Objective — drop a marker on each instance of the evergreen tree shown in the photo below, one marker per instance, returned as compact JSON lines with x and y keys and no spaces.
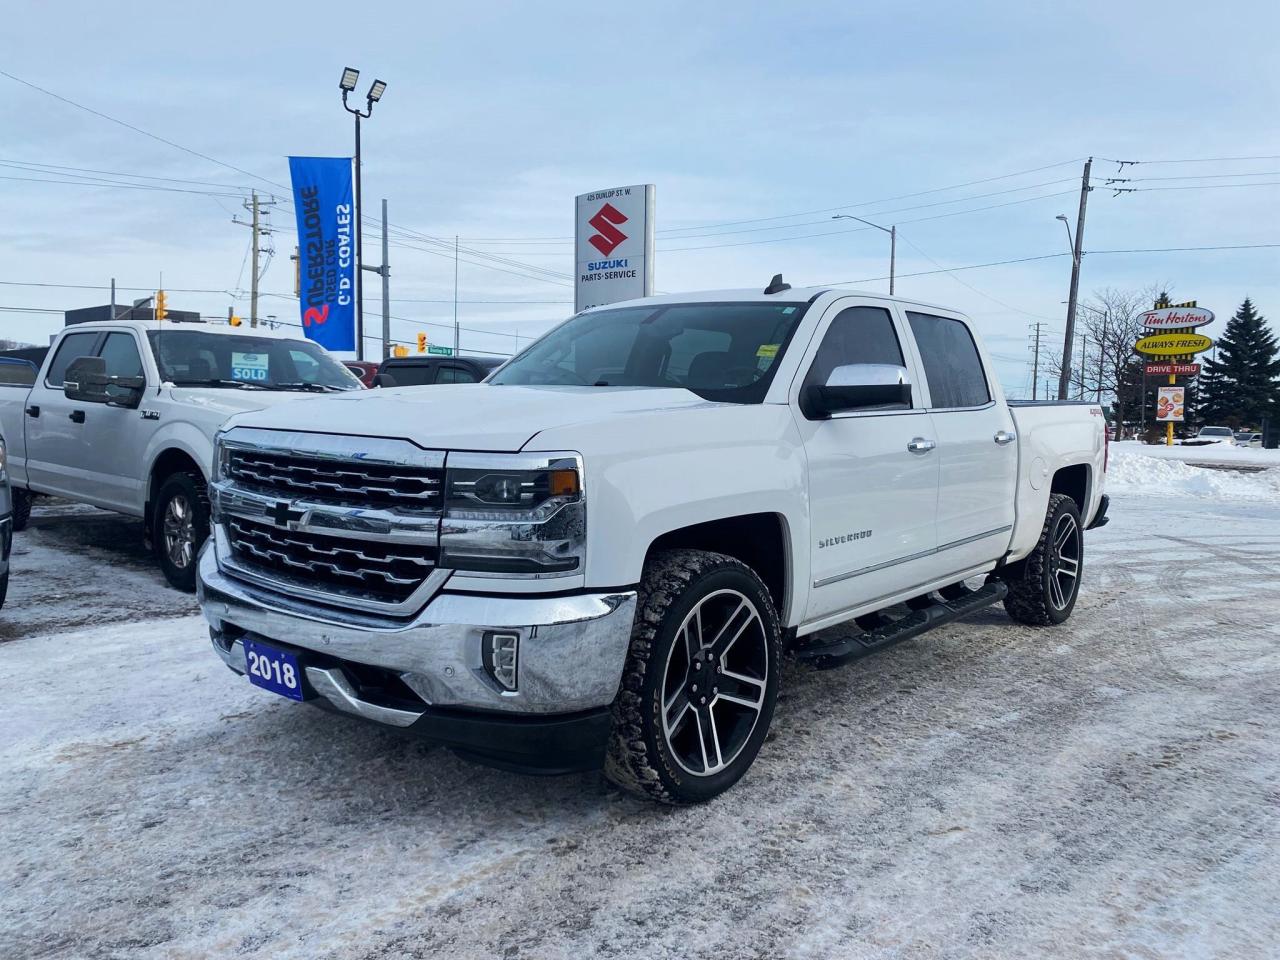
{"x":1240,"y":387}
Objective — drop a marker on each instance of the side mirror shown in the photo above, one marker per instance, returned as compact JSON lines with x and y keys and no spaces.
{"x":86,"y":381}
{"x":858,"y":386}
{"x":385,"y":380}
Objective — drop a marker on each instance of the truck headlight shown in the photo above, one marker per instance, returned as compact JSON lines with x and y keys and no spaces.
{"x":514,"y":514}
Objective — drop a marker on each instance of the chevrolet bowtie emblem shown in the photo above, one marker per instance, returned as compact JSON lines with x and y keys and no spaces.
{"x":282,"y":514}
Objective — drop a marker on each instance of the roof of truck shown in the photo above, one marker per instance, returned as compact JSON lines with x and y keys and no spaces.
{"x":757,"y":294}
{"x":146,"y":326}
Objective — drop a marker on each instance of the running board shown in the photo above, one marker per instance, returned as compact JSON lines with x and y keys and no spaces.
{"x":825,"y":656}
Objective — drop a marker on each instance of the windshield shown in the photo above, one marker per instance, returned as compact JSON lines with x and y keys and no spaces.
{"x":720,"y":351}
{"x":247,"y":362}
{"x":1215,"y":432}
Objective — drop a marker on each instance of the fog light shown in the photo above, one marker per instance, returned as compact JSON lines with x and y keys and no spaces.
{"x":502,"y":657}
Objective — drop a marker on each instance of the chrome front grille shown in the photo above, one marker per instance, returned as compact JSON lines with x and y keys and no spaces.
{"x":385,"y":572}
{"x":366,"y":484}
{"x":350,"y":522}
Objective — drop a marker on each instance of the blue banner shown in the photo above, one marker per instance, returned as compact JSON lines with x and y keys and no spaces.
{"x":326,"y":249}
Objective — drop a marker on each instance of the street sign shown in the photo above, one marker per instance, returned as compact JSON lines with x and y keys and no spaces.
{"x":613,"y":245}
{"x":433,"y":350}
{"x":1169,"y":407}
{"x":1176,"y":318}
{"x":1172,"y":369}
{"x":1173,"y":344}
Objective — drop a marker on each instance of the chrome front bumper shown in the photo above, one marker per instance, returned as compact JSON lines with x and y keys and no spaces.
{"x":571,"y":655}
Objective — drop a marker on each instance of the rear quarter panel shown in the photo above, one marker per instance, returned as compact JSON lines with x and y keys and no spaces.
{"x":1051,"y":437}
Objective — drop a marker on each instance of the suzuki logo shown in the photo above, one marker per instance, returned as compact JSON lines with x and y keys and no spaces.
{"x":282,"y":514}
{"x":607,"y":235}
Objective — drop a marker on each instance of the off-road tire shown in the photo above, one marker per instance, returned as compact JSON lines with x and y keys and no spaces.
{"x":638,"y":758}
{"x":193,"y":488}
{"x":1028,"y":600}
{"x":21,"y":508}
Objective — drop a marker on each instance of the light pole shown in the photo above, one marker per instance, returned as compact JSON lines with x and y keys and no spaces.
{"x":347,"y":84}
{"x":1077,"y":254}
{"x":893,"y":240}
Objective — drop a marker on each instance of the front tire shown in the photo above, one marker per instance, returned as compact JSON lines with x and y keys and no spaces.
{"x":21,"y":508}
{"x":700,"y":682}
{"x":179,"y":528}
{"x":1044,"y":586}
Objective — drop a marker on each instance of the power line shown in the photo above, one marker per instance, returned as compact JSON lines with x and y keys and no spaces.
{"x":53,"y":168}
{"x":965,"y":283}
{"x":1124,"y":163}
{"x":124,"y":186}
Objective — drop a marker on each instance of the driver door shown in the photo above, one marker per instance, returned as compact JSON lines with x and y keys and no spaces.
{"x":873,"y":479}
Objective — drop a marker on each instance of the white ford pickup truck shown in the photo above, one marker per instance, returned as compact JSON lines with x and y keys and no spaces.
{"x":598,"y":556}
{"x":122,"y":415}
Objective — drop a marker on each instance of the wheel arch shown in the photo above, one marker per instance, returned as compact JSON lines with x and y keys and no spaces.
{"x":760,"y":540}
{"x":1075,"y":482}
{"x":169,"y":461}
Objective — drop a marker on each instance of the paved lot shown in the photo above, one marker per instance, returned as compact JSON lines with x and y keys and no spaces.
{"x":1110,"y":788}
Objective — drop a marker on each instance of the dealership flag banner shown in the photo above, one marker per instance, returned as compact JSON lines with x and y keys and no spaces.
{"x":326,"y":249}
{"x":613,"y":245}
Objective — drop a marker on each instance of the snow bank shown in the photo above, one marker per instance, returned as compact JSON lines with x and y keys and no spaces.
{"x":1133,"y":471}
{"x":1210,"y":452}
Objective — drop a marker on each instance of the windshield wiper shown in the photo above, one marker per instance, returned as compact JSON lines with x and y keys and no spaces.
{"x":219,"y":382}
{"x":312,"y":387}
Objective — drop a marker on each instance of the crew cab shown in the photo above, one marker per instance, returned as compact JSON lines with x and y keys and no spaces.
{"x":599,"y":555}
{"x":122,"y":415}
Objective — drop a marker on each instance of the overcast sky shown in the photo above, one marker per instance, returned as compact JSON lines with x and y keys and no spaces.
{"x":497,"y":114}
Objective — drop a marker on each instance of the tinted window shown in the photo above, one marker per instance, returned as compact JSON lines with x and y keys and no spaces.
{"x":18,"y":373}
{"x":455,"y":375}
{"x":73,"y":346}
{"x":856,"y":335}
{"x":121,"y":353}
{"x":411,"y":375}
{"x":951,"y":362}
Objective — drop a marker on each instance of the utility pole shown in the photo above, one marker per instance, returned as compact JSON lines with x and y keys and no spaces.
{"x":113,"y":300}
{"x":456,"y":331}
{"x":1064,"y":379}
{"x":260,"y":230}
{"x":1035,"y":360}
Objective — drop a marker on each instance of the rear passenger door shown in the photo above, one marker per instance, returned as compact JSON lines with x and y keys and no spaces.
{"x":116,"y":440}
{"x":977,"y":450}
{"x":873,"y":480}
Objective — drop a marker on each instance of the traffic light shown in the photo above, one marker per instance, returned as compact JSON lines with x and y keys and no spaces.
{"x":234,"y":320}
{"x":399,"y":350}
{"x":422,"y":343}
{"x":161,"y":308}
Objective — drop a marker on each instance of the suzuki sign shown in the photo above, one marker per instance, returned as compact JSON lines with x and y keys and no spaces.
{"x":613,"y":246}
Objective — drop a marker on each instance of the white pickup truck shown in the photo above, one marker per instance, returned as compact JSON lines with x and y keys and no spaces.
{"x":122,"y":415}
{"x":598,"y":556}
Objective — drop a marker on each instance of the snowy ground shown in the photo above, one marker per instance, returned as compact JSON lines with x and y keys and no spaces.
{"x":1109,"y":788}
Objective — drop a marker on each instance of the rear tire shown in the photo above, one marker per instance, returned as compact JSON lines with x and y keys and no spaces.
{"x":1044,"y":586}
{"x":21,"y":508}
{"x":179,"y":528}
{"x":700,"y":682}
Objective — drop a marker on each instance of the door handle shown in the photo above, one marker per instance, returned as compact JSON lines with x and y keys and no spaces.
{"x":920,"y":445}
{"x":1004,"y":436}
{"x":76,"y":416}
{"x":33,"y":411}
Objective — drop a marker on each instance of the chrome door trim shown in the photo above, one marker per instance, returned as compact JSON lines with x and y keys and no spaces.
{"x":915,"y":556}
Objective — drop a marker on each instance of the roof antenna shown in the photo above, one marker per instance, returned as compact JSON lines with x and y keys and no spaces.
{"x":776,"y":285}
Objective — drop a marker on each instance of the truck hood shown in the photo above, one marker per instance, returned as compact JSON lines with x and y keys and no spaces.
{"x":472,"y":416}
{"x":223,"y":402}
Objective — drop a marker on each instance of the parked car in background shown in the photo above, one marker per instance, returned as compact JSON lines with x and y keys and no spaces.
{"x":599,"y":555}
{"x":418,"y":371}
{"x":1247,"y":438}
{"x":1208,"y":435}
{"x":364,"y":370}
{"x":6,"y":520}
{"x":123,"y":413}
